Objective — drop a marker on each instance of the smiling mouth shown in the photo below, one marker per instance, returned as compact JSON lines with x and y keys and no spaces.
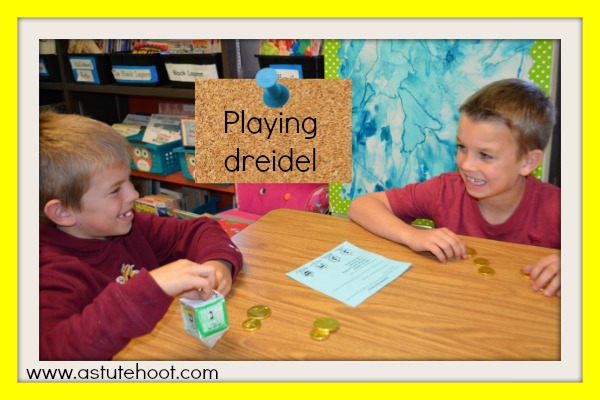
{"x":473,"y":181}
{"x":128,"y":214}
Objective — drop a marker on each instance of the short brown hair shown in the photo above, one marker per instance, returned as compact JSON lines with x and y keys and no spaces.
{"x":72,"y":150}
{"x":520,"y":105}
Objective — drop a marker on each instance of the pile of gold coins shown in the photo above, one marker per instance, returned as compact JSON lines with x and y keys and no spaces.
{"x":256,"y":314}
{"x":482,"y":264}
{"x":321,"y":330}
{"x":323,"y":327}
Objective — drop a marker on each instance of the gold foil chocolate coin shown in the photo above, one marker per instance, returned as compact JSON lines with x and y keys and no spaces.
{"x":319,"y":334}
{"x":251,"y":324}
{"x":481,"y":262}
{"x":486,"y":271}
{"x":259,"y":312}
{"x":327,"y":324}
{"x":471,"y":252}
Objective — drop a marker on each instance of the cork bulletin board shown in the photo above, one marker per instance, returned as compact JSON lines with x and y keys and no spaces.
{"x":239,"y":139}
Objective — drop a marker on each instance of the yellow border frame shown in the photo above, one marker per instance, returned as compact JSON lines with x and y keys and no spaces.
{"x":308,"y":9}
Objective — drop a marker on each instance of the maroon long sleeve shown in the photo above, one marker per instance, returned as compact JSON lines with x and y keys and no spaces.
{"x":96,"y":295}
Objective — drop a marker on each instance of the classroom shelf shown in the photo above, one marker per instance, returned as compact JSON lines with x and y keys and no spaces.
{"x":155,"y":91}
{"x":178,"y":179}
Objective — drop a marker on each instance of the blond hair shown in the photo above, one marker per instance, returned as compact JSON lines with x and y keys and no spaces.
{"x":72,"y":150}
{"x":518,"y":104}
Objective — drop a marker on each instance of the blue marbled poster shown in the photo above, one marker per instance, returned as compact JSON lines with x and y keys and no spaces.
{"x":405,"y":100}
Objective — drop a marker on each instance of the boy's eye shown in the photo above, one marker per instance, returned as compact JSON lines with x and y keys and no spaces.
{"x":461,"y":148}
{"x":485,"y":156}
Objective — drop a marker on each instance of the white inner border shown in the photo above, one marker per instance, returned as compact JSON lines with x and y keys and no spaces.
{"x":568,"y":31}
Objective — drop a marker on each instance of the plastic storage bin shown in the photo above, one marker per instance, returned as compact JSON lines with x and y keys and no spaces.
{"x":138,"y":69}
{"x":49,"y":71}
{"x":156,"y":159}
{"x":209,"y":207}
{"x":310,"y":67}
{"x":187,"y":161}
{"x":184,"y":69}
{"x":91,"y":68}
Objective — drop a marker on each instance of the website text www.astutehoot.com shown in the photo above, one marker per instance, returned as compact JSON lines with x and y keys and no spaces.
{"x":121,"y":373}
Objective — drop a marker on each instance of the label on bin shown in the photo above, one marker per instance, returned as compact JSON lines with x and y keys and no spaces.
{"x":135,"y":74}
{"x":292,"y":71}
{"x":191,"y":72}
{"x":43,"y":69}
{"x":84,"y":69}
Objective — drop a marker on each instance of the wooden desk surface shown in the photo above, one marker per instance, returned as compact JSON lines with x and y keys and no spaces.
{"x":433,"y":311}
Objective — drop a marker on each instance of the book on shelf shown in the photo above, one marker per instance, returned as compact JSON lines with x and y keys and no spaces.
{"x":181,"y":109}
{"x":126,"y":129}
{"x":83,"y":46}
{"x":137,"y":119}
{"x":194,"y":197}
{"x":155,"y":204}
{"x":182,"y":214}
{"x":178,"y":198}
{"x":47,"y":46}
{"x":162,"y":129}
{"x":194,"y":46}
{"x":290,"y":47}
{"x":145,"y":187}
{"x":150,"y":47}
{"x":188,"y":132}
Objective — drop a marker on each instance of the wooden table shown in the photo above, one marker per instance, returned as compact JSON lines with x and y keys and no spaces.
{"x":433,"y":311}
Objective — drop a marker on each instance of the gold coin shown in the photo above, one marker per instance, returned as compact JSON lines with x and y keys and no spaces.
{"x":319,"y":334}
{"x":259,"y":312}
{"x":251,"y":324}
{"x":471,"y":252}
{"x":481,"y":262}
{"x":486,"y":271}
{"x":327,"y":324}
{"x":524,"y":274}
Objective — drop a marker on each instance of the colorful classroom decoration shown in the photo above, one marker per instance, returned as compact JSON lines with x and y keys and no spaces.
{"x":405,"y":100}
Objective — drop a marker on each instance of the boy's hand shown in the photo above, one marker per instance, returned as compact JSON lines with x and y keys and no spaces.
{"x":545,"y":274}
{"x":223,"y":274}
{"x":185,"y":276}
{"x":191,"y":280}
{"x":443,"y":243}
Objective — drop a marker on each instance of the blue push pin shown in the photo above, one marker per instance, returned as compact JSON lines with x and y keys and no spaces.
{"x":275,"y":94}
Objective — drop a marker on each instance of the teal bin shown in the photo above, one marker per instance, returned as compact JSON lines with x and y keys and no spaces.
{"x":208,"y":207}
{"x":187,"y":161}
{"x":156,"y":159}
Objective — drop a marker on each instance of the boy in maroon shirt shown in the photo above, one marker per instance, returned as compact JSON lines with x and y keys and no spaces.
{"x":502,"y":132}
{"x":108,"y":274}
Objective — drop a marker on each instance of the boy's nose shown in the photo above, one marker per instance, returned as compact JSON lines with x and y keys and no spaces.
{"x":465,"y":162}
{"x":132,"y":194}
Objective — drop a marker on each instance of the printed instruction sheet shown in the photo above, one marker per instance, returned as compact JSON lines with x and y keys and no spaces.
{"x":348,"y":273}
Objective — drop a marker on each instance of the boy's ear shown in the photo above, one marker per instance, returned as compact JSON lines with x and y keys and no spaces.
{"x":59,"y":214}
{"x":531,"y":161}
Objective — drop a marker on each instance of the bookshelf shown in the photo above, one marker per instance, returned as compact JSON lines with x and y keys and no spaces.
{"x":176,"y":179}
{"x":110,"y":103}
{"x":114,"y":98}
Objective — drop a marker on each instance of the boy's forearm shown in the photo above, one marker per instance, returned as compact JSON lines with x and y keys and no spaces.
{"x":373,"y":215}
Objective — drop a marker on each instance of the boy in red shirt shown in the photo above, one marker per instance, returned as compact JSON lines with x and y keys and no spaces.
{"x":502,"y":132}
{"x":108,"y":274}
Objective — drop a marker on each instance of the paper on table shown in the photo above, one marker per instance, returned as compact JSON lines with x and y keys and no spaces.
{"x":349,"y":273}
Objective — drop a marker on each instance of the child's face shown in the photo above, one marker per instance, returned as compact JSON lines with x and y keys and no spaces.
{"x":107,"y":206}
{"x":487,"y":160}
